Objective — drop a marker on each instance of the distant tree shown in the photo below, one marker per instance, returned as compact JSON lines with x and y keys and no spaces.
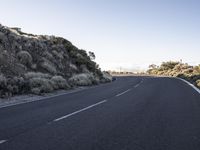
{"x":153,"y":66}
{"x":92,"y":55}
{"x":168,"y":65}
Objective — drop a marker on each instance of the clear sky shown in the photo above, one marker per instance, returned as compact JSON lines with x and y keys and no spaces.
{"x":123,"y":33}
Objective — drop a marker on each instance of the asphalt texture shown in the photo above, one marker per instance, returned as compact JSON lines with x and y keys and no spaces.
{"x":131,"y":113}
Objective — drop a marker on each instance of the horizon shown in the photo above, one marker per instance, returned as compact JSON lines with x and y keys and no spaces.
{"x":130,"y":35}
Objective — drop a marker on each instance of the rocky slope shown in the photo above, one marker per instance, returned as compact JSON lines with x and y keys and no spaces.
{"x":39,"y":64}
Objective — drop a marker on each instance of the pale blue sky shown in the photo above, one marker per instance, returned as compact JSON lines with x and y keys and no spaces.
{"x":123,"y":33}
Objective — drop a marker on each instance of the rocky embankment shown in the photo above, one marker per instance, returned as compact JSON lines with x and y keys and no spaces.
{"x":40,"y":64}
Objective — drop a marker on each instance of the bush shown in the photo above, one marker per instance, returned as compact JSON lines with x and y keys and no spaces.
{"x":48,"y":56}
{"x":50,"y":68}
{"x":30,"y":75}
{"x":25,"y":58}
{"x":3,"y":80}
{"x":198,"y":83}
{"x":168,"y":65}
{"x":59,"y":82}
{"x":73,"y":67}
{"x":43,"y":85}
{"x":84,"y":69}
{"x":39,"y":82}
{"x":36,"y":91}
{"x":10,"y":86}
{"x":57,"y":54}
{"x":106,"y":77}
{"x":83,"y":79}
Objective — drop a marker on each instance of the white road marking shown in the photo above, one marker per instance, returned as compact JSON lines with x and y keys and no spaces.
{"x":81,"y":110}
{"x":142,"y":81}
{"x":194,"y":87}
{"x":136,"y":85}
{"x":123,"y":93}
{"x":2,"y":141}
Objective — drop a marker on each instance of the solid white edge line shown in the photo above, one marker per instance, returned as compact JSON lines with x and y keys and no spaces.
{"x":81,"y":110}
{"x":2,"y":141}
{"x":123,"y":93}
{"x":194,"y":87}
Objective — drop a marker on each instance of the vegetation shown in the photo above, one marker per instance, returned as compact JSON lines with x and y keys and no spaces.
{"x":39,"y":64}
{"x":177,"y":69}
{"x":83,"y":79}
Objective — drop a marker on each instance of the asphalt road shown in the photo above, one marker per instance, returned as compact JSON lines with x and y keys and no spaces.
{"x":132,"y":113}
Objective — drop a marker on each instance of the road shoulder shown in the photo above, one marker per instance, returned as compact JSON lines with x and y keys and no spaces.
{"x":21,"y":99}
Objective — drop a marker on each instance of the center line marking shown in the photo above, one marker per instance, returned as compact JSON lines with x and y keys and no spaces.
{"x":81,"y":110}
{"x":2,"y":141}
{"x":136,"y":85}
{"x":123,"y":93}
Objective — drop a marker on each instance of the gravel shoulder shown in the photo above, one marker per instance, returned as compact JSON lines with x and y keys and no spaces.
{"x":20,"y":99}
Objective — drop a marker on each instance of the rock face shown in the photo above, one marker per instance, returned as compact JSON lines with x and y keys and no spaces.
{"x":38,"y":64}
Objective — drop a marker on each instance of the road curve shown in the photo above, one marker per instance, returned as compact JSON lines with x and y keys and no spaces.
{"x":132,"y":113}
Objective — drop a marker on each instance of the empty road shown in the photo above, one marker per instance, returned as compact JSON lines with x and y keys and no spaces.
{"x":132,"y":113}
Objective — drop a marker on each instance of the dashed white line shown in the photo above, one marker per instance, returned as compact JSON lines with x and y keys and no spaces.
{"x":2,"y":141}
{"x":123,"y":93}
{"x":81,"y":110}
{"x":136,"y":85}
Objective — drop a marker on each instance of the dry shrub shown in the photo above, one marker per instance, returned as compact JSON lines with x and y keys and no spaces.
{"x":42,"y":84}
{"x":49,"y":67}
{"x":106,"y":77}
{"x":10,"y":86}
{"x":30,"y":75}
{"x":83,"y":79}
{"x":59,"y":82}
{"x":198,"y":83}
{"x":25,"y":58}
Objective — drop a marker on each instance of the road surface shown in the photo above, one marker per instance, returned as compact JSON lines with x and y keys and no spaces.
{"x":132,"y":113}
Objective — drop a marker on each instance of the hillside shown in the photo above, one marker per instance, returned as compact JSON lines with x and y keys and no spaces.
{"x":177,"y":69}
{"x":39,"y":64}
